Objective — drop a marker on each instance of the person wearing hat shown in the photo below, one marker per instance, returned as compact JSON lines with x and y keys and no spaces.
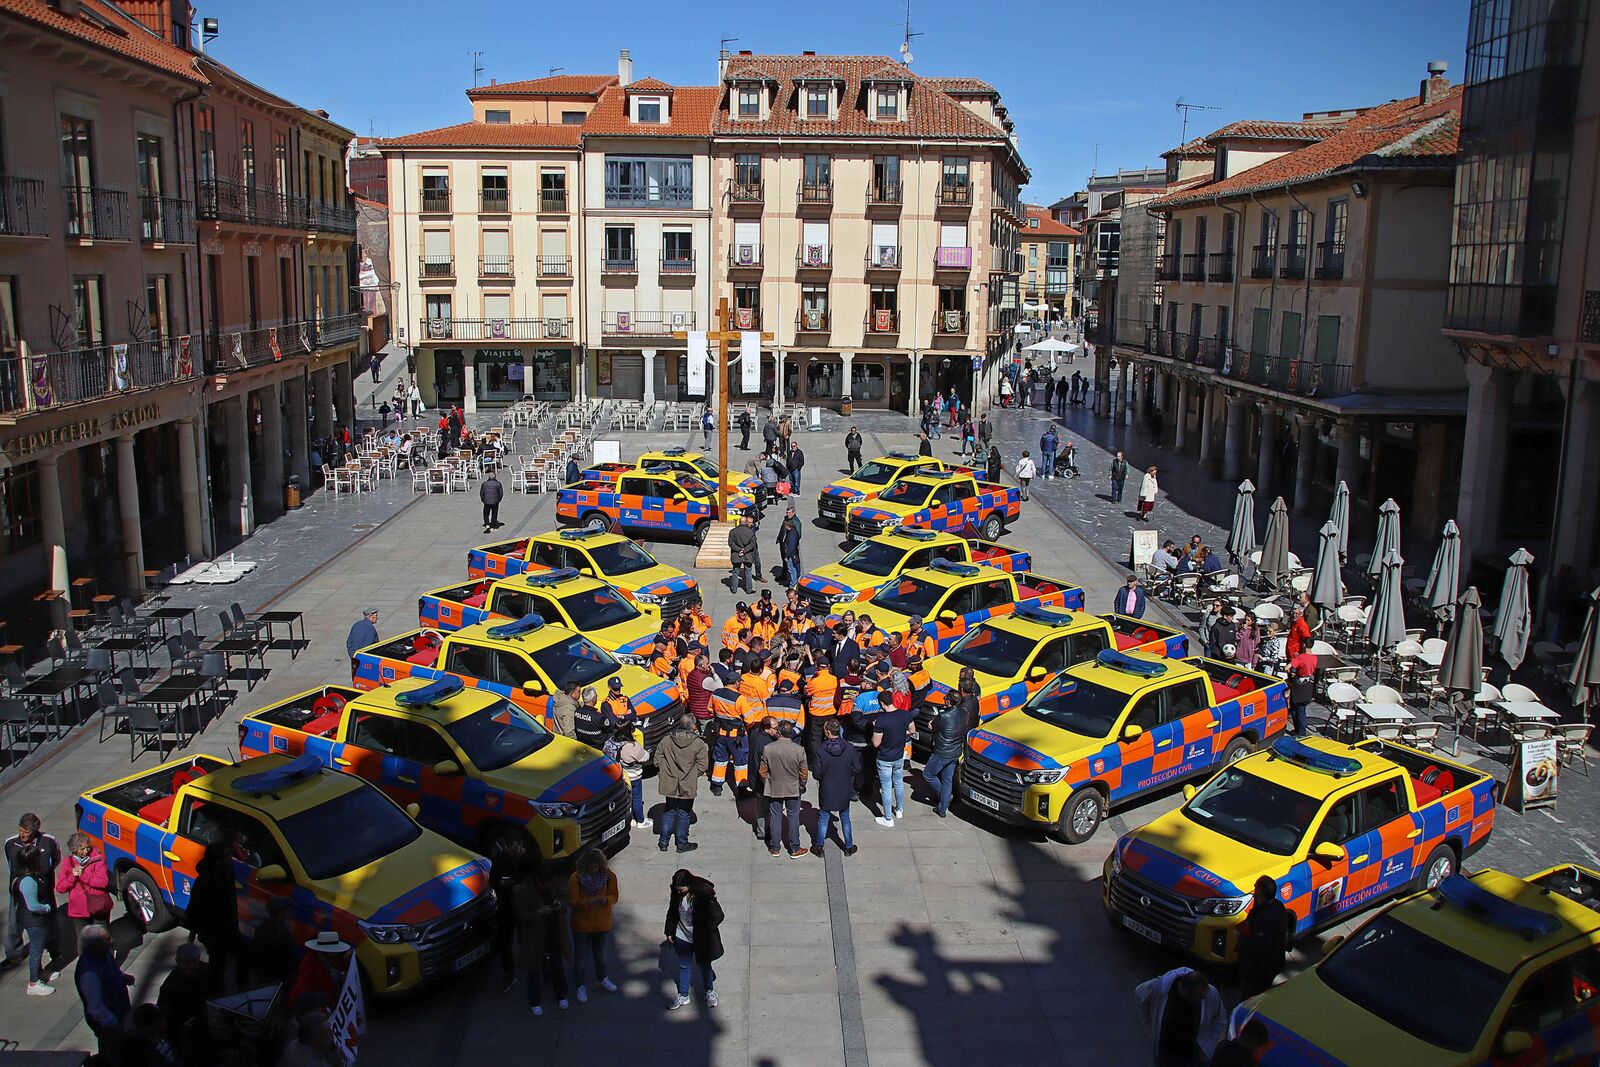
{"x":364,"y":633}
{"x":616,"y":711}
{"x":741,"y":621}
{"x":320,"y":976}
{"x":184,"y":992}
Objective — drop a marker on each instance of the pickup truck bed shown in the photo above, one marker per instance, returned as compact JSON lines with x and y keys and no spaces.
{"x":317,"y":712}
{"x":500,"y":560}
{"x":150,"y":797}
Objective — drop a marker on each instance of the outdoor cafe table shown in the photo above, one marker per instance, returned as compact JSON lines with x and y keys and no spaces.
{"x":130,"y":645}
{"x":1433,"y":657}
{"x":177,"y":615}
{"x":1386,"y":712}
{"x":60,"y":686}
{"x":1527,"y":711}
{"x":179,"y":692}
{"x":246,"y":647}
{"x":289,"y":620}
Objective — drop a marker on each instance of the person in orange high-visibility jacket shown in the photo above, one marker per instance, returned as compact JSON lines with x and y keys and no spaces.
{"x":867,"y":635}
{"x":920,"y":647}
{"x":822,"y":701}
{"x":730,"y":743}
{"x":740,"y":622}
{"x":789,"y":679}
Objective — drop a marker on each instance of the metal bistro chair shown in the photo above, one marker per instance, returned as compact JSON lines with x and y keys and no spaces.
{"x":1385,"y":731}
{"x":112,"y":709}
{"x":1423,"y":735}
{"x":147,"y":721}
{"x":1483,"y":708}
{"x":1518,"y":693}
{"x":1572,"y":739}
{"x":1530,"y":731}
{"x":1342,"y":700}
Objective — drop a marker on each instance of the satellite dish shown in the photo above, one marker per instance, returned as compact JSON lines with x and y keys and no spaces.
{"x":909,"y":58}
{"x":905,"y":46}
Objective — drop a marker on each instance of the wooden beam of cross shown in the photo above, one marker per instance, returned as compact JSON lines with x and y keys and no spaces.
{"x":718,"y":341}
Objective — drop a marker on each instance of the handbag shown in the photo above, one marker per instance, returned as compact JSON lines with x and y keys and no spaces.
{"x":667,"y":960}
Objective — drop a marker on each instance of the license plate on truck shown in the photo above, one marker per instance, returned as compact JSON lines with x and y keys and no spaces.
{"x":1142,"y":930}
{"x":472,"y":957}
{"x":614,"y":831}
{"x":987,"y":801}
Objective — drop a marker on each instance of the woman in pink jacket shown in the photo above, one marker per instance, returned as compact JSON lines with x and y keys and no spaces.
{"x":84,"y":880}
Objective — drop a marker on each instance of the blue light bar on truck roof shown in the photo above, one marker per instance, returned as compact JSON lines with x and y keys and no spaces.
{"x":521,"y":628}
{"x":1484,"y":906}
{"x":916,"y":533}
{"x":1044,"y":616}
{"x":553,"y":577}
{"x":435,"y":692}
{"x":902,"y":455}
{"x":279,"y":778}
{"x":1314,"y":759}
{"x":675,"y":450}
{"x":1121,"y":661}
{"x":950,"y":566}
{"x":579,"y":535}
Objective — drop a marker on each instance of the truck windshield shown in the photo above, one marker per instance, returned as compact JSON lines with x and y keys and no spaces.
{"x":909,"y":596}
{"x":347,"y":833}
{"x":575,"y":661}
{"x":874,"y":558}
{"x":621,"y":558}
{"x":1083,"y":707}
{"x":874,"y":473}
{"x":994,"y":651}
{"x":1253,"y":811}
{"x":695,"y":487}
{"x":707,"y":469}
{"x":597,"y":609}
{"x":911,"y":494}
{"x":498,"y":736}
{"x":1377,"y":967}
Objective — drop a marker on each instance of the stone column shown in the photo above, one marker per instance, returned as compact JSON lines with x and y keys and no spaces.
{"x":299,"y":453}
{"x":1267,"y":458}
{"x":649,"y":376}
{"x":469,"y":382}
{"x":1208,"y":430}
{"x":777,"y":378}
{"x":241,"y":499}
{"x":1348,"y":467}
{"x":1233,"y":440}
{"x":323,"y":384}
{"x":272,"y":447}
{"x":916,"y":385}
{"x":1483,"y":454}
{"x":53,"y":531}
{"x":1180,"y":414}
{"x":194,"y":508}
{"x":344,"y":395}
{"x":1574,"y":536}
{"x":845,"y":360}
{"x":1115,"y":398}
{"x":1305,"y":468}
{"x":1136,"y":408}
{"x":527,"y":371}
{"x":128,"y":510}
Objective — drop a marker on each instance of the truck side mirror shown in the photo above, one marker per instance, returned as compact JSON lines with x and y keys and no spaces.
{"x":1328,"y":852}
{"x":1190,"y":792}
{"x":272,"y":872}
{"x":1036,"y":673}
{"x":1132,"y":732}
{"x":446,"y":767}
{"x":587,"y":572}
{"x":533,"y":688}
{"x":947,"y":617}
{"x":414,"y":809}
{"x":1332,"y":943}
{"x":1515,"y":1042}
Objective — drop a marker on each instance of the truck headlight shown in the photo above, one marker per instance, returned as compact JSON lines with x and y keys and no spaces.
{"x":888,"y":524}
{"x":1222,"y":905}
{"x":1114,"y":868}
{"x":556,"y":811}
{"x":633,"y":659}
{"x":1042,"y":777}
{"x":647,"y":598}
{"x":842,"y":598}
{"x":391,"y":933}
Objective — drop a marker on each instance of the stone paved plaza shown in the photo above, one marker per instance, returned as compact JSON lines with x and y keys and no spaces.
{"x":941,"y":942}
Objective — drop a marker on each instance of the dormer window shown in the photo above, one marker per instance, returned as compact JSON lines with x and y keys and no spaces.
{"x":886,"y":103}
{"x":817,"y":102}
{"x":749,"y":102}
{"x":648,"y":109}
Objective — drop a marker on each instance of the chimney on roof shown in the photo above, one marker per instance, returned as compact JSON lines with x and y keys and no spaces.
{"x":722,"y":63}
{"x":625,"y":68}
{"x":808,"y":52}
{"x":68,"y":8}
{"x":491,"y":81}
{"x":1435,"y":85}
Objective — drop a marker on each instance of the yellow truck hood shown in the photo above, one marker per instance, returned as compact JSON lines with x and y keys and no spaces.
{"x":1062,"y":746}
{"x":422,"y":881}
{"x":563,"y":771}
{"x":1180,"y":854}
{"x":633,"y":636}
{"x":1309,"y":1023}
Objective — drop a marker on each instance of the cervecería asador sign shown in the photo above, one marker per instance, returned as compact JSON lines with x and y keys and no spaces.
{"x":83,"y":429}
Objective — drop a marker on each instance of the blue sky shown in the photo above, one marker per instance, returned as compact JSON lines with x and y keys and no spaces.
{"x":1075,"y":75}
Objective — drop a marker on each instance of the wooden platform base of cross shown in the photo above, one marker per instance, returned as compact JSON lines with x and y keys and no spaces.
{"x":714,"y":549}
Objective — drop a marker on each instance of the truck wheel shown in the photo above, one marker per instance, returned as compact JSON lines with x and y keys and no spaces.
{"x":1081,"y":817}
{"x":993,"y":527}
{"x":700,"y":530}
{"x":142,"y":899}
{"x":1440,"y":864}
{"x":1237,"y":749}
{"x":596,"y":520}
{"x":496,"y":836}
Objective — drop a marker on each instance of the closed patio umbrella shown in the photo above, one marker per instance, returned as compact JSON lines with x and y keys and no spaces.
{"x":1275,"y":547}
{"x":1339,"y":515}
{"x":1388,"y":539}
{"x":1387,"y":626}
{"x":1512,"y":618}
{"x":1445,"y":575}
{"x":1327,"y":590}
{"x":1585,"y":674}
{"x":1461,"y":670}
{"x":1242,"y":538}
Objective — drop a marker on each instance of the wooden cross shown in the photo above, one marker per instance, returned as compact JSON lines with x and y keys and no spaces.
{"x":718,"y":341}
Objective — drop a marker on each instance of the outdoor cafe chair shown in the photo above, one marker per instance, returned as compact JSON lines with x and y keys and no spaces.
{"x":1530,"y":731}
{"x":1342,"y":700}
{"x":1483,"y":710}
{"x":1519,"y":693}
{"x":147,"y":722}
{"x":1572,"y":739}
{"x":1385,"y":731}
{"x":1382,"y":694}
{"x":1423,"y":735}
{"x":112,"y":709}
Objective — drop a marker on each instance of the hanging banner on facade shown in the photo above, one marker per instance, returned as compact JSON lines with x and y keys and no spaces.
{"x":120,"y":378}
{"x":750,"y":361}
{"x":39,"y":381}
{"x":185,"y":361}
{"x":305,"y":337}
{"x":696,"y":356}
{"x":272,"y":343}
{"x":237,"y":341}
{"x":499,"y":329}
{"x":624,"y":321}
{"x":744,"y":318}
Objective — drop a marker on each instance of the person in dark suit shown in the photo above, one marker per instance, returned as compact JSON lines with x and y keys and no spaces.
{"x":841,"y":649}
{"x":1129,"y":600}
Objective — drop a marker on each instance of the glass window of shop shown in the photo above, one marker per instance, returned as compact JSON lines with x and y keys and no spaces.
{"x":867,"y":383}
{"x":448,"y":376}
{"x":499,"y":374}
{"x":552,"y":374}
{"x":823,"y":377}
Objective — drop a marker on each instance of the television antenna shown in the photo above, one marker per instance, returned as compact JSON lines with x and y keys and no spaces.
{"x":555,"y":70}
{"x":1183,"y":109}
{"x":905,"y":41}
{"x":477,"y":66}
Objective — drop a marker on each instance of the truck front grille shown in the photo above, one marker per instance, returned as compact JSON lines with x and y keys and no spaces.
{"x":993,"y":781}
{"x":1143,"y":901}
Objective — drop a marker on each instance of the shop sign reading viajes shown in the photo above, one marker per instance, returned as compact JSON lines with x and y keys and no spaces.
{"x":82,"y":430}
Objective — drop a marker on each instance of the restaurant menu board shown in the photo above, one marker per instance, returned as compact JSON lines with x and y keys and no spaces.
{"x":1535,"y":768}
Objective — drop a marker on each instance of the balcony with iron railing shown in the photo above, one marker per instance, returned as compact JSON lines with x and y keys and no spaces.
{"x":620,"y":263}
{"x":746,"y":194}
{"x":555,"y":266}
{"x":881,"y":321}
{"x":646,"y":323}
{"x":241,"y":347}
{"x":224,"y":200}
{"x":650,"y":195}
{"x":1292,"y":261}
{"x":494,"y":201}
{"x":816,"y":193}
{"x":1194,"y":266}
{"x":435,"y":200}
{"x":95,"y":214}
{"x":812,"y":320}
{"x":47,"y":380}
{"x":1167,"y":267}
{"x":677,"y":263}
{"x":330,"y":218}
{"x":436,"y":268}
{"x":955,"y":194}
{"x":1107,"y":260}
{"x":1221,"y":266}
{"x":335,"y":330}
{"x":813,"y":257}
{"x":165,"y":220}
{"x":884,"y":194}
{"x":883,"y":258}
{"x":553,"y":201}
{"x":1300,"y":377}
{"x":1263,"y":261}
{"x":952,"y":258}
{"x":22,"y":207}
{"x":453,"y":329}
{"x":950,"y":322}
{"x":746,"y":256}
{"x":1330,"y":259}
{"x":495,"y":268}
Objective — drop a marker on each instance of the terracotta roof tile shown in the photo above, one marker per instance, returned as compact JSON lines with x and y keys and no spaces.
{"x":932,"y":112}
{"x":689,"y":115}
{"x":490,"y":135}
{"x":962,"y":85}
{"x":1276,"y":131}
{"x":1197,"y":148}
{"x":554,"y":85}
{"x":1392,"y":134}
{"x":649,"y":85}
{"x":1048,"y":226}
{"x":108,"y":27}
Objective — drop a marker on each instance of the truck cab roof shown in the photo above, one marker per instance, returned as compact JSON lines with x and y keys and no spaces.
{"x":559,"y":583}
{"x":436,"y":700}
{"x":277,"y":786}
{"x":1131,"y":673}
{"x":1508,"y":920}
{"x":949,"y":572}
{"x":1318,"y":767}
